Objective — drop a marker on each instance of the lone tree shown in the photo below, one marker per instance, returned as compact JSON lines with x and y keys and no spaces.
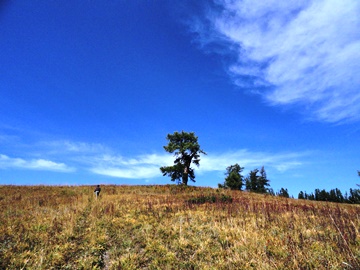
{"x":186,"y":150}
{"x":234,"y":179}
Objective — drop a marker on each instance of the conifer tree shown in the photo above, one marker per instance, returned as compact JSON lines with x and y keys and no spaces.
{"x":234,"y":179}
{"x":187,"y":151}
{"x":257,"y":183}
{"x":283,"y":193}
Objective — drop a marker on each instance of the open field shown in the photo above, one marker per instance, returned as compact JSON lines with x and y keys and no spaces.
{"x":169,"y":227}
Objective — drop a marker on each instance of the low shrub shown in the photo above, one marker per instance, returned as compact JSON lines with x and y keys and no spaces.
{"x":210,"y":199}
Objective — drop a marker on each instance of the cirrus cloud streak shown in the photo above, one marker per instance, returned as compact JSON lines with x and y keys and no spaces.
{"x":147,"y":166}
{"x":100,"y":160}
{"x":33,"y":164}
{"x":304,"y":53}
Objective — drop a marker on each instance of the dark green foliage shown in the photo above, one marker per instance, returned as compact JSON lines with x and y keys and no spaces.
{"x":257,"y":183}
{"x":271,"y":192}
{"x":310,"y":196}
{"x":283,"y":193}
{"x":202,"y":199}
{"x":234,"y":179}
{"x":354,"y":196}
{"x":210,"y":199}
{"x":333,"y":195}
{"x":186,"y":150}
{"x":226,"y":199}
{"x":263,"y":182}
{"x":251,"y":180}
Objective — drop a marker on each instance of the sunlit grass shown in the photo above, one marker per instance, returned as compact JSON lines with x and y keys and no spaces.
{"x":172,"y":227}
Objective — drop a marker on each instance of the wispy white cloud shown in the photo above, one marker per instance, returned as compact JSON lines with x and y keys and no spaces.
{"x":144,"y":166}
{"x":278,"y":161}
{"x":293,"y":52}
{"x":147,"y":166}
{"x":131,"y":172}
{"x":33,"y":164}
{"x":72,"y":147}
{"x":100,"y":160}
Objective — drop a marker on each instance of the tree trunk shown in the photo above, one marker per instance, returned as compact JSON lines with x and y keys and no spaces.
{"x":185,"y":176}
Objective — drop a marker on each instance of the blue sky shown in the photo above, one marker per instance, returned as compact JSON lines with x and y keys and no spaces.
{"x":90,"y":89}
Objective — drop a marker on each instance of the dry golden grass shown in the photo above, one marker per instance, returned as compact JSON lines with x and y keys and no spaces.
{"x":156,"y":227}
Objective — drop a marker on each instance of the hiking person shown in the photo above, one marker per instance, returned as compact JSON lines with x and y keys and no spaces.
{"x":97,"y":191}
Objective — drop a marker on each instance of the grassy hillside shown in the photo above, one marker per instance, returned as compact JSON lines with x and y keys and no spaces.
{"x":172,"y":227}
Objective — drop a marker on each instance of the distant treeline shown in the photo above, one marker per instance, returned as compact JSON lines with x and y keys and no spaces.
{"x":333,"y":195}
{"x":258,"y":182}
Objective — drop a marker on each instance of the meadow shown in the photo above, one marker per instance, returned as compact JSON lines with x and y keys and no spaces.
{"x":172,"y":227}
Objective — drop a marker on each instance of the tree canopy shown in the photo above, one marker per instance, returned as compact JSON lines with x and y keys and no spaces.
{"x":257,"y":183}
{"x":283,"y":193}
{"x":234,"y":179}
{"x":186,"y":149}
